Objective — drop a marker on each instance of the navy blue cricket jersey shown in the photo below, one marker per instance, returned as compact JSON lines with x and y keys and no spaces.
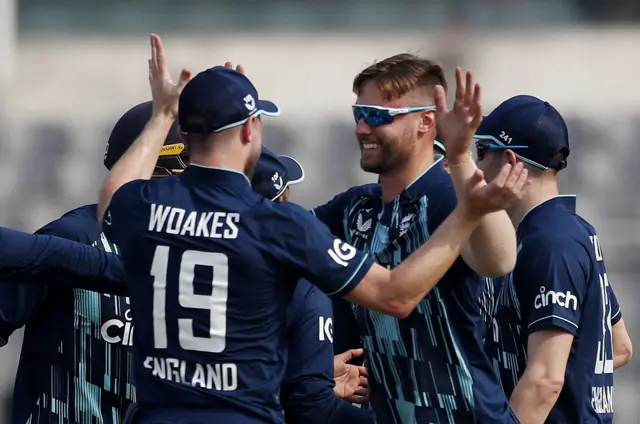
{"x":430,"y":367}
{"x":211,"y":267}
{"x":307,"y":389}
{"x":74,"y":367}
{"x":560,"y":282}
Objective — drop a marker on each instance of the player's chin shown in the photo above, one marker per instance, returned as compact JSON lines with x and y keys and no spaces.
{"x":373,"y":166}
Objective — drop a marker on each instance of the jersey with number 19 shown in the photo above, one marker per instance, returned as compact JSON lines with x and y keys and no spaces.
{"x":211,"y":267}
{"x":559,"y":282}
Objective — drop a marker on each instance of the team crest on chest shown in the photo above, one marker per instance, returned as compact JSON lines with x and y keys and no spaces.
{"x":363,"y":223}
{"x":405,"y":224}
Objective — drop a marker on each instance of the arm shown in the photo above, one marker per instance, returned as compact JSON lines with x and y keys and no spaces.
{"x":340,"y":270}
{"x":307,"y":392}
{"x":18,"y":304}
{"x":539,"y":387}
{"x":491,"y":251}
{"x":49,"y":260}
{"x":545,"y":266}
{"x":622,"y":347}
{"x":139,"y":160}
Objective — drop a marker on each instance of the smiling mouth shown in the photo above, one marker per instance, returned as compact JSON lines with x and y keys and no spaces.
{"x":369,"y":146}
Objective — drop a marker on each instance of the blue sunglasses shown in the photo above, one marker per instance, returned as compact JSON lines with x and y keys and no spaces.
{"x":375,"y":116}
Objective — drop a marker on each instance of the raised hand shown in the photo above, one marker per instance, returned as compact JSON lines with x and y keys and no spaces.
{"x":351,"y":380}
{"x":456,"y":127}
{"x":502,"y":192}
{"x":239,"y":68}
{"x":164,"y":91}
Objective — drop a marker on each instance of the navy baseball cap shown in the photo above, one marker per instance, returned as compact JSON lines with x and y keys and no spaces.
{"x":218,"y":99}
{"x":273,"y":174}
{"x":530,"y":126}
{"x":173,"y":155}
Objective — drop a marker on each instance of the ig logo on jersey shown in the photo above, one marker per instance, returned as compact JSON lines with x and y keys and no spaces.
{"x":342,"y":253}
{"x":325,"y":329}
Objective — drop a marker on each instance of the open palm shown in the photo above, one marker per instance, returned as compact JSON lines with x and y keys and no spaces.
{"x":164,"y":91}
{"x":456,"y":127}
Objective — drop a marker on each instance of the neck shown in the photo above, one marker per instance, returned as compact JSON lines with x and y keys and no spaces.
{"x":394,"y":182}
{"x":218,"y":160}
{"x":539,"y":192}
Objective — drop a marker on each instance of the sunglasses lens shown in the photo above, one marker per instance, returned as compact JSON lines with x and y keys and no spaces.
{"x":372,"y":117}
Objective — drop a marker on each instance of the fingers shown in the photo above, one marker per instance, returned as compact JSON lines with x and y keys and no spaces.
{"x":460,"y":87}
{"x":350,"y":354}
{"x":521,"y":183}
{"x":515,"y":173}
{"x":476,"y":107}
{"x":475,"y":179}
{"x":469,"y":88}
{"x":185,"y":77}
{"x":362,"y":371}
{"x":501,"y":179}
{"x":239,"y":68}
{"x":440,"y":99}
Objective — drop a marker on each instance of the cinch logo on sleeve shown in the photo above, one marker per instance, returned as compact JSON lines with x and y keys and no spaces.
{"x":546,"y":298}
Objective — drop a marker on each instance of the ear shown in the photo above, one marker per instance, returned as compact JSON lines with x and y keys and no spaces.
{"x":427,"y":121}
{"x":246,"y":130}
{"x":509,"y":157}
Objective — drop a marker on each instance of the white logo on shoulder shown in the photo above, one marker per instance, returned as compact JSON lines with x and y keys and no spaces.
{"x":545,"y":298}
{"x":405,"y":224}
{"x":249,"y":102}
{"x":107,"y":219}
{"x":363,"y":225}
{"x":325,"y":329}
{"x":277,"y":181}
{"x":342,"y":252}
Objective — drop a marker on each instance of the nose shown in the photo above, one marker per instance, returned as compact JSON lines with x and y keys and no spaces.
{"x":362,"y":128}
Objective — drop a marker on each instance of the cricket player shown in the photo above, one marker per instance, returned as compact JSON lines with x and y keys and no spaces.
{"x":553,"y":340}
{"x":430,"y":366}
{"x":211,"y":265}
{"x":74,"y":366}
{"x":307,"y":390}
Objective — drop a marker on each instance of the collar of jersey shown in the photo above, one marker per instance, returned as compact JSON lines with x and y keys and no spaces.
{"x":431,"y":176}
{"x":566,"y":202}
{"x":213,"y":175}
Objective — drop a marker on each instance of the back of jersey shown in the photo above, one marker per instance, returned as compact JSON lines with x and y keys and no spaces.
{"x":207,"y":304}
{"x":211,"y":268}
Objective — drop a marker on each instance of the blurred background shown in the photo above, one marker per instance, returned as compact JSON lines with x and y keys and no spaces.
{"x":70,"y":68}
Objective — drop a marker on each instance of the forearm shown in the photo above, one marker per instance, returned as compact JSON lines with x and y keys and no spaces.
{"x":138,"y":162}
{"x":417,"y":275}
{"x":492,"y":246}
{"x":532,"y":402}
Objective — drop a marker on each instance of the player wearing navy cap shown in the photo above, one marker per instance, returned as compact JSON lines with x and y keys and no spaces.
{"x":552,"y":339}
{"x":211,"y":265}
{"x":431,"y":366}
{"x":74,"y":366}
{"x":307,"y":390}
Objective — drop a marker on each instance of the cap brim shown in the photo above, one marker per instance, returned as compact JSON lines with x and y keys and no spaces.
{"x":295,"y":171}
{"x":268,"y":108}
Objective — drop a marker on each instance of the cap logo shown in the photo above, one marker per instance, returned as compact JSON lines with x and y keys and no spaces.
{"x":249,"y":102}
{"x":277,"y":181}
{"x":505,"y":137}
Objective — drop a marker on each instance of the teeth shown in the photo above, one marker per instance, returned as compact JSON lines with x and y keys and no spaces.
{"x":369,"y":146}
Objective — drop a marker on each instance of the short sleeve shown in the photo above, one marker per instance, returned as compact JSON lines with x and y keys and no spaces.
{"x":551,"y":278}
{"x":333,"y":213}
{"x":616,"y":312}
{"x":126,"y":203}
{"x":300,"y":241}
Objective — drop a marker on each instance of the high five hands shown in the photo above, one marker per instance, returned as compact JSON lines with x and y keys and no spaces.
{"x":456,"y":129}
